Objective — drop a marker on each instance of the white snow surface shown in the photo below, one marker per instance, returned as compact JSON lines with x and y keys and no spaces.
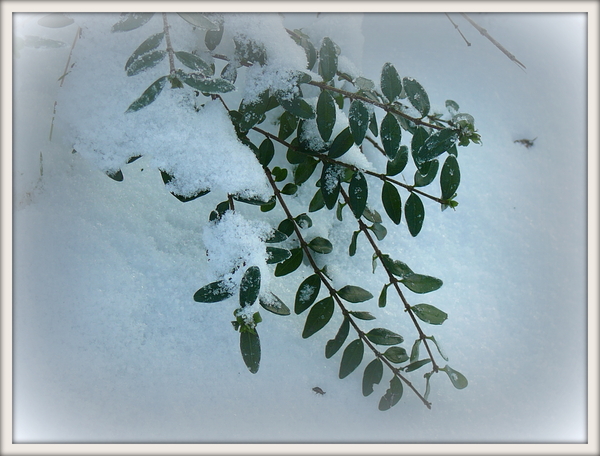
{"x":109,"y":345}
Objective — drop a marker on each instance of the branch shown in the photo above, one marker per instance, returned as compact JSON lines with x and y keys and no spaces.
{"x":494,"y":42}
{"x":170,"y":50}
{"x":457,"y":29}
{"x":333,"y":292}
{"x":393,"y":280}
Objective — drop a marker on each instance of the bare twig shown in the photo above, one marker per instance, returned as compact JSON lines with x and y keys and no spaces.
{"x":457,"y":29}
{"x":494,"y":42}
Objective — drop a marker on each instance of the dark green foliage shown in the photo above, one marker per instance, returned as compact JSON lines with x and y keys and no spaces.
{"x":291,"y":264}
{"x":330,"y":184}
{"x":341,"y":143}
{"x":396,"y":355}
{"x":333,"y":345}
{"x":354,"y":294}
{"x":321,"y":245}
{"x":213,"y":38}
{"x":131,"y":21}
{"x":372,"y":376}
{"x":429,"y":314}
{"x":397,"y":165}
{"x":149,"y":95}
{"x":250,"y":348}
{"x":274,"y":305}
{"x":318,"y":317}
{"x":419,"y":283}
{"x":426,"y":174}
{"x":414,"y":213}
{"x":417,"y":95}
{"x":252,"y":111}
{"x":195,"y":63}
{"x":352,"y":357}
{"x":391,"y":202}
{"x":458,"y":380}
{"x":327,"y":60}
{"x":392,"y":395}
{"x":450,"y":177}
{"x":391,"y":134}
{"x":213,"y":292}
{"x":382,"y":336}
{"x":358,"y":118}
{"x":325,"y":114}
{"x":277,"y":255}
{"x":266,"y":150}
{"x":307,"y":293}
{"x":250,"y":286}
{"x":391,"y":85}
{"x":358,"y":192}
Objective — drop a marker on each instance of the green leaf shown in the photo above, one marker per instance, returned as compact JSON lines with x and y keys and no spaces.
{"x":382,"y":336}
{"x":392,"y":395}
{"x":439,"y":347}
{"x":397,"y":165}
{"x":131,"y":21}
{"x":391,"y":85}
{"x":275,"y":237}
{"x":145,"y":62}
{"x":418,"y":283}
{"x":229,"y":73}
{"x":372,"y":376}
{"x":417,"y":95}
{"x":417,"y":365}
{"x":213,"y":292}
{"x":279,"y":174}
{"x":398,"y":268}
{"x":362,"y":315}
{"x":333,"y":345}
{"x":373,"y":125}
{"x":391,"y":202}
{"x":202,"y":84}
{"x":450,"y":177}
{"x":250,"y":286}
{"x":372,"y":216}
{"x":266,"y":150}
{"x":273,"y":304}
{"x":429,"y":314}
{"x":55,"y":20}
{"x":327,"y":60}
{"x":379,"y":230}
{"x":452,"y":106}
{"x":252,"y":111}
{"x":116,"y":175}
{"x":289,"y":189}
{"x":148,"y":45}
{"x":199,"y":20}
{"x":194,"y":62}
{"x":341,"y":143}
{"x":426,"y":174}
{"x":303,"y":221}
{"x":358,"y":118}
{"x":291,"y":264}
{"x":286,"y":227}
{"x":318,"y":317}
{"x":458,"y":380}
{"x":383,"y":296}
{"x":419,"y":137}
{"x":414,"y":213}
{"x":321,"y":245}
{"x":352,"y":248}
{"x":277,"y":255}
{"x":436,"y":144}
{"x":307,"y":293}
{"x":287,"y":125}
{"x":149,"y":95}
{"x":304,"y":170}
{"x":414,"y":353}
{"x":325,"y":114}
{"x":317,"y":203}
{"x":396,"y":355}
{"x":330,"y":184}
{"x":358,"y":193}
{"x":296,"y":105}
{"x":391,"y":134}
{"x":351,"y":358}
{"x":354,"y":294}
{"x":250,"y":348}
{"x":213,"y":38}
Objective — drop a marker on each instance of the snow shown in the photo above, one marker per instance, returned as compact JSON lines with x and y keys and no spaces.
{"x":109,"y":345}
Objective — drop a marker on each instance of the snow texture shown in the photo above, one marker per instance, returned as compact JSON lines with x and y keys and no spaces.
{"x":109,"y":345}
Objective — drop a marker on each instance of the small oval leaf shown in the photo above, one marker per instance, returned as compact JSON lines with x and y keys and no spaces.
{"x":291,"y":264}
{"x":416,"y":365}
{"x":318,"y":317}
{"x":382,"y":336}
{"x":397,"y":165}
{"x":449,"y":177}
{"x":328,"y":60}
{"x":391,"y":85}
{"x":307,"y":293}
{"x":131,"y":21}
{"x":458,"y":380}
{"x":372,"y":376}
{"x":354,"y":294}
{"x":273,"y":304}
{"x":391,"y":202}
{"x":417,"y":95}
{"x":145,"y":62}
{"x":321,"y":245}
{"x":418,"y":283}
{"x":391,"y":134}
{"x":250,"y":348}
{"x":358,"y":192}
{"x":250,"y":286}
{"x":429,"y":314}
{"x":194,"y":62}
{"x":199,"y":20}
{"x":149,"y":95}
{"x":325,"y":114}
{"x":358,"y":118}
{"x":341,"y":144}
{"x":392,"y":395}
{"x":333,"y":345}
{"x":330,"y":184}
{"x":414,"y":213}
{"x":396,"y":355}
{"x":351,"y":358}
{"x":277,"y":255}
{"x":213,"y":292}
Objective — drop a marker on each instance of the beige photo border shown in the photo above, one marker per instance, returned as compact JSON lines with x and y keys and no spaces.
{"x":9,"y":7}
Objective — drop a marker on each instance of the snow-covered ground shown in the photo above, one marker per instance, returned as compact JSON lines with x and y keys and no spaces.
{"x":110,"y":347}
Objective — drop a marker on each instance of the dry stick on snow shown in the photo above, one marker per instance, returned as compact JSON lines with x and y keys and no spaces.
{"x":494,"y":42}
{"x":457,"y":29}
{"x":62,"y":79}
